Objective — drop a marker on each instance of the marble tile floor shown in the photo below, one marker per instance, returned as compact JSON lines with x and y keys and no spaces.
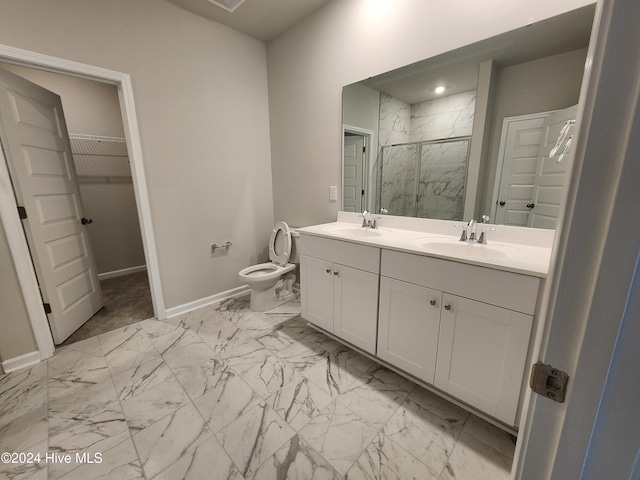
{"x":225,"y":393}
{"x":127,"y":300}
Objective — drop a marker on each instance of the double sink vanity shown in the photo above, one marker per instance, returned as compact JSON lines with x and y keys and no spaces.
{"x":456,"y":316}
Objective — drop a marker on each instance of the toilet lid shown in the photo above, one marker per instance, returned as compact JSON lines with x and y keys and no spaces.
{"x":280,"y":244}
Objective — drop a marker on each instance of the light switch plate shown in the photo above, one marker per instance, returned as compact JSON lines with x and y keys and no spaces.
{"x":333,"y":193}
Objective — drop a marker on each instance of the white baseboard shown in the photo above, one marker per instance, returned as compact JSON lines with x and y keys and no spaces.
{"x":121,"y":272}
{"x":22,"y":361}
{"x":218,"y":297}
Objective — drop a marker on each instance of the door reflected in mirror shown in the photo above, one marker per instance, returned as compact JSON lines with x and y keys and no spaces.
{"x":413,"y":152}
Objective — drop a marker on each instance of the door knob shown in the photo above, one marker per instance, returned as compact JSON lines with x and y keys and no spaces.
{"x":335,"y":273}
{"x":447,"y":307}
{"x":531,"y":205}
{"x":86,"y":221}
{"x":432,"y":302}
{"x":502,"y":203}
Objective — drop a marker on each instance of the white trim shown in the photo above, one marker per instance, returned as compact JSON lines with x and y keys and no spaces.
{"x":121,"y":272}
{"x":15,"y":236}
{"x":368,"y":134}
{"x":352,"y":129}
{"x":22,"y":361}
{"x":203,"y":302}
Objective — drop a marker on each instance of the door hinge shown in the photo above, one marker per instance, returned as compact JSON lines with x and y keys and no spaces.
{"x":22,"y":212}
{"x":47,"y":308}
{"x":549,"y":382}
{"x":363,"y":191}
{"x":364,"y":149}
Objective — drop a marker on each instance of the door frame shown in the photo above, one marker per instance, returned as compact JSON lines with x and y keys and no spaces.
{"x":8,"y":206}
{"x":592,"y":289}
{"x":366,"y":174}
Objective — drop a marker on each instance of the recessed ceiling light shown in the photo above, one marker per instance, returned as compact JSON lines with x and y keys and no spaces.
{"x":439,"y":90}
{"x":229,"y":5}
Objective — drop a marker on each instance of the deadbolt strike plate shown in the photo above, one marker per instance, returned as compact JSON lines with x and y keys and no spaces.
{"x":549,"y":382}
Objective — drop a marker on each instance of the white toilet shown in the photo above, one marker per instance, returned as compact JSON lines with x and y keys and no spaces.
{"x":272,"y":283}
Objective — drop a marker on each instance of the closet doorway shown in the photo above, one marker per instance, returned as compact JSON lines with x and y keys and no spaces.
{"x":96,"y":133}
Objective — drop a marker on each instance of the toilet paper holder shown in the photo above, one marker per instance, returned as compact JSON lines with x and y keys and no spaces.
{"x":215,"y":246}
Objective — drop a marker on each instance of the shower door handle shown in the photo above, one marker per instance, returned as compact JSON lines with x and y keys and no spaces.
{"x":86,"y":221}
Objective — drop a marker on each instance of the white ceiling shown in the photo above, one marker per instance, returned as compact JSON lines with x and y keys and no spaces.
{"x":261,"y":19}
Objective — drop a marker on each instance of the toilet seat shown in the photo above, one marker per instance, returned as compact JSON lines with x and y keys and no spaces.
{"x":279,"y":253}
{"x":280,"y":244}
{"x":265,"y":271}
{"x":272,"y":282}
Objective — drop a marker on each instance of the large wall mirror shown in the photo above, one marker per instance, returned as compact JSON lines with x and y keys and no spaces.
{"x":482,"y":143}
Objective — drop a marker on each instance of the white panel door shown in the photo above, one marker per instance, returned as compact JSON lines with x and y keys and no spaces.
{"x":409,"y":322}
{"x":36,"y":143}
{"x":520,"y":146}
{"x":482,"y":353}
{"x":353,"y":176}
{"x":355,"y":306}
{"x":548,"y":186}
{"x":316,"y":291}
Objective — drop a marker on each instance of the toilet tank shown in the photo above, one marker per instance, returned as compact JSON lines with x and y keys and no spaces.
{"x":294,"y":257}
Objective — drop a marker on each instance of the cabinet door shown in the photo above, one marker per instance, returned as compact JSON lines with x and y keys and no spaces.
{"x":316,"y":291}
{"x":409,"y":321}
{"x":355,"y":306}
{"x":481,"y":355}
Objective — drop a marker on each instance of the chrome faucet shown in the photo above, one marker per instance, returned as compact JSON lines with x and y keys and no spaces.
{"x":472,"y":226}
{"x":366,"y":219}
{"x":470,"y":231}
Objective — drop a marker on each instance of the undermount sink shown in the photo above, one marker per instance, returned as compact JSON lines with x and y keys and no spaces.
{"x":356,"y":231}
{"x":455,"y":247}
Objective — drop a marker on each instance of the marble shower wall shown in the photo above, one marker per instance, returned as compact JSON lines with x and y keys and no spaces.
{"x":444,"y":117}
{"x":395,"y":121}
{"x":443,"y":166}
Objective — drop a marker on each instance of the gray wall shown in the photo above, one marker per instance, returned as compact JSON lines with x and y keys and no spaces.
{"x":89,"y":107}
{"x":345,"y":42}
{"x":201,"y":97}
{"x":16,"y":336}
{"x":550,"y":83}
{"x":93,"y":108}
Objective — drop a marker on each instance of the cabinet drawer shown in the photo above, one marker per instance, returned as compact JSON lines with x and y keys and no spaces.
{"x":505,"y":289}
{"x":362,"y":257}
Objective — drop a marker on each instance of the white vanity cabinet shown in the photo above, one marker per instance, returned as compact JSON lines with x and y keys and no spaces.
{"x":460,"y":327}
{"x":482,"y":351}
{"x":408,"y":328}
{"x":339,"y":288}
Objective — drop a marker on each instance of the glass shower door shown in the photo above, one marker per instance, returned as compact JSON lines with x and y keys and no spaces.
{"x":397,"y":185}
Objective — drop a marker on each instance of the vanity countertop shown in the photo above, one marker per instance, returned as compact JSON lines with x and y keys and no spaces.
{"x":513,"y":249}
